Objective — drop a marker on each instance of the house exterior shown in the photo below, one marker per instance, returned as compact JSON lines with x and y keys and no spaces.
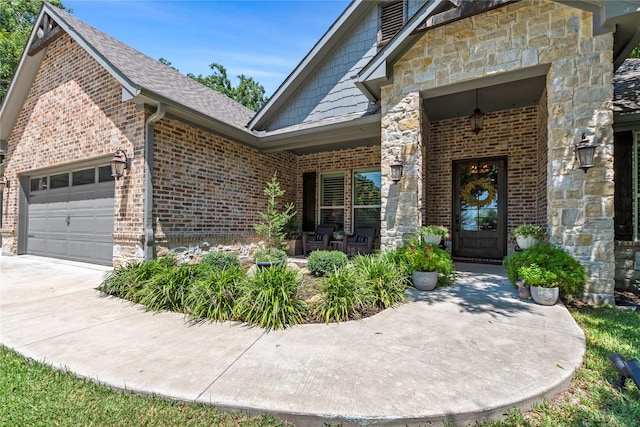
{"x":390,"y":80}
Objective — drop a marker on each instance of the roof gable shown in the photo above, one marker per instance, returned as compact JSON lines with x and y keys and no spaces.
{"x":143,"y":79}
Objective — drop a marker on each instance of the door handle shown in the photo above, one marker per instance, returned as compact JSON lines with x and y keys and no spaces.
{"x":68,"y":220}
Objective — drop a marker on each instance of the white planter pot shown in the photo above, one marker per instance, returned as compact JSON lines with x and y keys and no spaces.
{"x":526,"y":242}
{"x":544,"y":296}
{"x":425,"y":280}
{"x":432,"y":238}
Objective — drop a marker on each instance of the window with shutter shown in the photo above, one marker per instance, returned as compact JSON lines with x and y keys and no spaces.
{"x":392,"y":18}
{"x":332,"y":199}
{"x":367,"y":198}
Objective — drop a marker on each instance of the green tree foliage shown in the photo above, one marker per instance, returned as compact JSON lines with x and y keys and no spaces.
{"x":635,"y":53}
{"x":249,"y":92}
{"x":16,"y":20}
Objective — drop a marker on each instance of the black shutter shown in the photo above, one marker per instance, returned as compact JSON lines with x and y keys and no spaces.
{"x":308,"y":201}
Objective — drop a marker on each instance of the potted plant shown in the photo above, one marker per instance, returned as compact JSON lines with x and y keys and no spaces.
{"x":293,"y":232}
{"x":429,"y":264}
{"x":546,"y":266}
{"x":527,"y":235}
{"x":338,"y":235}
{"x":433,"y":233}
{"x":271,"y":228}
{"x":543,"y":284}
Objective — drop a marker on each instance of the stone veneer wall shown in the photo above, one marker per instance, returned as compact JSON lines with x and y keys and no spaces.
{"x":512,"y":134}
{"x":74,"y":112}
{"x":346,"y":161}
{"x":520,"y":35}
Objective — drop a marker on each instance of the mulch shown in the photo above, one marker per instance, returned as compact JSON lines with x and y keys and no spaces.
{"x":628,"y":297}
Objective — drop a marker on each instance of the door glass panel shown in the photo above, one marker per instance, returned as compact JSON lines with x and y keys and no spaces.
{"x":83,"y":177}
{"x":479,"y":197}
{"x":38,"y":184}
{"x":104,"y":174}
{"x":59,"y":181}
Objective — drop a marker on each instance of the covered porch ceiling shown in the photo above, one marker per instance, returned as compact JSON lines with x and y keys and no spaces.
{"x":460,"y":100}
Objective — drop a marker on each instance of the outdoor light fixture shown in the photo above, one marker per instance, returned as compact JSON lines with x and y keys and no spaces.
{"x":396,"y":170}
{"x":584,"y":152}
{"x":4,"y":182}
{"x":119,"y":163}
{"x":477,"y":118}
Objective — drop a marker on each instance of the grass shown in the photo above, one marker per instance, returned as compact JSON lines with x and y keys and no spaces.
{"x":35,"y":395}
{"x":32,"y":394}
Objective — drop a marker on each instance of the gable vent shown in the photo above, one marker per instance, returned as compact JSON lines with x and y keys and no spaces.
{"x":392,"y":19}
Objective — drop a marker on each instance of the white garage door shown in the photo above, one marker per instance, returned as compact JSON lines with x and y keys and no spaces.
{"x":71,"y":215}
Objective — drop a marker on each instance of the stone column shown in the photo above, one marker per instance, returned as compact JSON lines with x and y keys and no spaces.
{"x":401,"y":136}
{"x":581,"y":204}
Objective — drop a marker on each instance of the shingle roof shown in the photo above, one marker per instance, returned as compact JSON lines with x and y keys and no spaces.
{"x":148,"y":74}
{"x":626,"y":88}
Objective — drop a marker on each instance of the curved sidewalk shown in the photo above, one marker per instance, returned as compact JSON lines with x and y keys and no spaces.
{"x":454,"y":355}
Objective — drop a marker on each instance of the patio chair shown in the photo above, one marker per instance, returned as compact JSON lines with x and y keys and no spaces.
{"x":318,"y":239}
{"x":361,"y":242}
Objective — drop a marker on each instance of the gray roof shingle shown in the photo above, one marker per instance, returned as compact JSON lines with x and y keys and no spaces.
{"x":149,"y":74}
{"x":626,"y":88}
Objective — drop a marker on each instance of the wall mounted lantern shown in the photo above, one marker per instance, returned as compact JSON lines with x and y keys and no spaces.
{"x":396,"y":170}
{"x":477,"y":118}
{"x":119,"y":163}
{"x":584,"y":152}
{"x":4,"y":182}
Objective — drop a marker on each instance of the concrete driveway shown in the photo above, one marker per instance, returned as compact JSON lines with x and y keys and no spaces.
{"x":454,"y":355}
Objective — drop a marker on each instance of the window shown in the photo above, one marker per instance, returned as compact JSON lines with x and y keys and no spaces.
{"x":104,"y":174}
{"x":38,"y":184}
{"x":392,"y":18}
{"x":60,"y":180}
{"x":367,"y":198}
{"x":83,"y":177}
{"x":332,"y":199}
{"x":627,"y":185}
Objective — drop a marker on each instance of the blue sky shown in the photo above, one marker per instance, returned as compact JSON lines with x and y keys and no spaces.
{"x":260,"y":39}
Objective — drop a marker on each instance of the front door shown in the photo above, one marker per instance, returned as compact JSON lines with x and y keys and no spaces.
{"x":479,"y":209}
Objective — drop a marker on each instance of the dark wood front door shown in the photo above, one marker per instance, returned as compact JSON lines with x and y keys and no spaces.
{"x":480,"y":209}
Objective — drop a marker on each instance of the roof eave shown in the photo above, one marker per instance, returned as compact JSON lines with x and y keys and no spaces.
{"x":366,"y":129}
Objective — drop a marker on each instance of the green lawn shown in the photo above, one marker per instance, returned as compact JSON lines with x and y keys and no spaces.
{"x":32,"y":394}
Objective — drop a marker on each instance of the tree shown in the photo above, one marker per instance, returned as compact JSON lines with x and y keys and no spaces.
{"x":16,"y":20}
{"x":635,"y":53}
{"x":248,"y":92}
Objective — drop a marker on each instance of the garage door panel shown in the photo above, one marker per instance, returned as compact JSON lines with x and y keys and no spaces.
{"x":73,"y":223}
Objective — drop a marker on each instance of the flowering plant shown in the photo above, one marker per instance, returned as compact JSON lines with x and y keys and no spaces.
{"x":427,"y":257}
{"x":527,"y":230}
{"x":438,"y":230}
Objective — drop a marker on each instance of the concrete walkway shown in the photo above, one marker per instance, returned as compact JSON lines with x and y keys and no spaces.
{"x":454,"y":355}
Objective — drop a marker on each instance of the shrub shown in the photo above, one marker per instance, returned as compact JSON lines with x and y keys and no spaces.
{"x":213,"y":296}
{"x":168,"y":289}
{"x":127,"y":281}
{"x":272,"y":227}
{"x":324,"y":263}
{"x":269,"y":255}
{"x":427,"y":257}
{"x":220,"y":260}
{"x":268,"y":298}
{"x":342,"y":296}
{"x":385,"y":283}
{"x":571,"y":276}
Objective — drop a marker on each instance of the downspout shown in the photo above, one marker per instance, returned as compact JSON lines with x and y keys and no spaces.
{"x":148,"y":180}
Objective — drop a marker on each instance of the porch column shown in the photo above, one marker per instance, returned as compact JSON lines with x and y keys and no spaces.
{"x":401,"y":136}
{"x":580,"y":205}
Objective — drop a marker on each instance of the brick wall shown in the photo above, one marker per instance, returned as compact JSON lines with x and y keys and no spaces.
{"x":510,"y":133}
{"x":337,"y":161}
{"x":207,"y":187}
{"x":73,"y":112}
